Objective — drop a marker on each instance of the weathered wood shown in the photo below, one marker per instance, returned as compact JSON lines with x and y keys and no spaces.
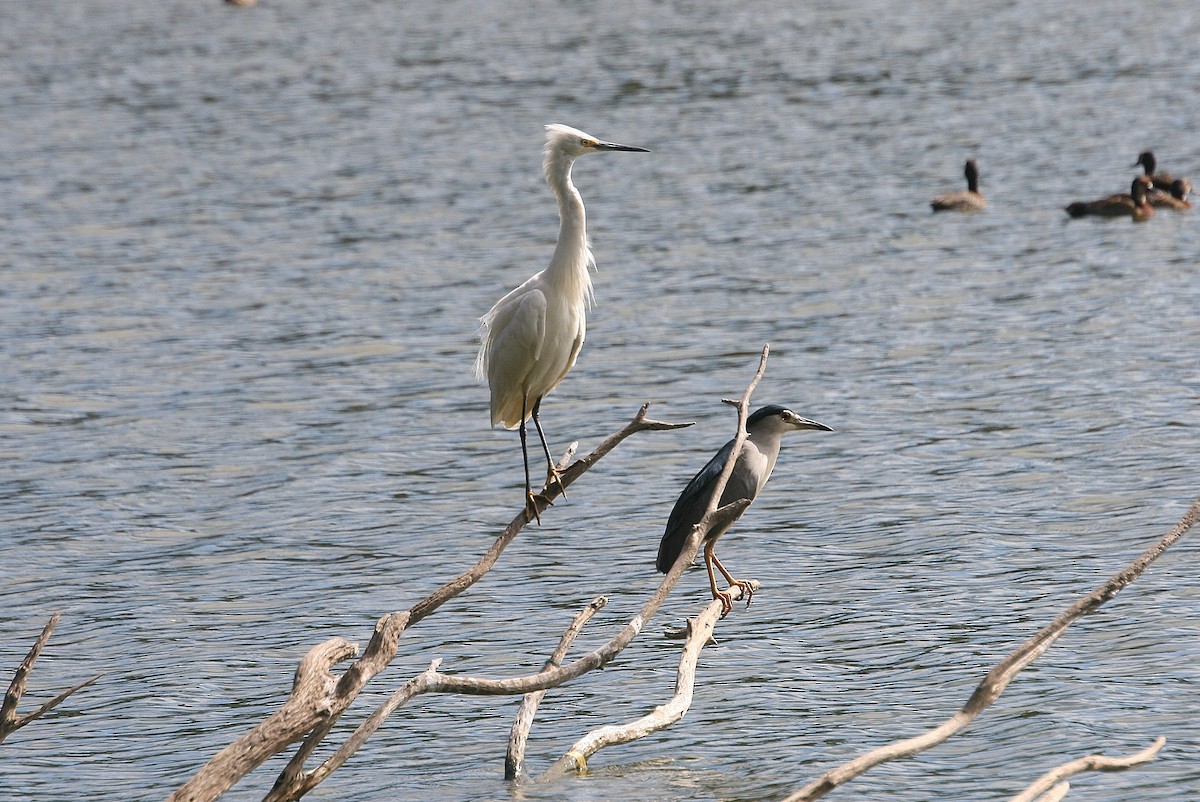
{"x":315,"y":704}
{"x":10,"y":722}
{"x":293,"y":784}
{"x":514,"y":758}
{"x":1051,"y":780}
{"x":1055,"y":794}
{"x":700,"y":630}
{"x":996,"y":680}
{"x":313,"y":698}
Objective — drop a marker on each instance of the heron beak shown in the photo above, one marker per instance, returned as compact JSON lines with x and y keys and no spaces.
{"x":615,"y":146}
{"x":805,"y":423}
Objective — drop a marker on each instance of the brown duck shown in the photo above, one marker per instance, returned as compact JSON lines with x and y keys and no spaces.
{"x":1134,"y":205}
{"x":1148,"y":163}
{"x":969,"y":201}
{"x":1175,"y":199}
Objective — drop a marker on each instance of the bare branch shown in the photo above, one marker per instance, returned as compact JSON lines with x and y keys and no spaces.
{"x":313,"y":699}
{"x":998,"y":678}
{"x":1055,"y":794}
{"x":312,"y":710}
{"x":1050,"y":781}
{"x":10,"y":722}
{"x":514,"y":760}
{"x":640,"y":423}
{"x":700,"y":630}
{"x":433,"y":681}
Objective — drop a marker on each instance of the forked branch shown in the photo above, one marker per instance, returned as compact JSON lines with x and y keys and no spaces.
{"x":10,"y":722}
{"x":998,"y":678}
{"x":318,"y":701}
{"x":1057,"y":776}
{"x":699,"y":634}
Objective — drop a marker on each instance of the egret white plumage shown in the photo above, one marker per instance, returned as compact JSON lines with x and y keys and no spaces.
{"x":532,"y":336}
{"x":764,"y":430}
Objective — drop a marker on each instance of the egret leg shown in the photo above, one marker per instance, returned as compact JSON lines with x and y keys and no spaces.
{"x":531,"y":507}
{"x":747,"y":588}
{"x":709,"y":559}
{"x":552,"y":476}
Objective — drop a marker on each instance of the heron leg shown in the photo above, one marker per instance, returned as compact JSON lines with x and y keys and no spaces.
{"x":709,"y":558}
{"x":552,"y":476}
{"x":531,"y":507}
{"x":747,"y":588}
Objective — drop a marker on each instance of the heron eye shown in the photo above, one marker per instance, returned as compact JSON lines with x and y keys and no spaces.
{"x":589,"y":143}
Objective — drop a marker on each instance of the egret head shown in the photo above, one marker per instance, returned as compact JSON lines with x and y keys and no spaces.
{"x":571,"y":142}
{"x":781,"y":419}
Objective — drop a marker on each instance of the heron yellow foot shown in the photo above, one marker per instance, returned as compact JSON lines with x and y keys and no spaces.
{"x":747,"y":589}
{"x":726,"y":602}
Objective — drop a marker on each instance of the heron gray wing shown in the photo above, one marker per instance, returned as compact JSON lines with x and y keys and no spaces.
{"x":689,"y":508}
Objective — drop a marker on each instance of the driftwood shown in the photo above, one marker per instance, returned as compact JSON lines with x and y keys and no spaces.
{"x":699,"y":631}
{"x":1052,"y":785}
{"x":514,"y":760}
{"x":699,"y":634}
{"x":319,"y":698}
{"x":10,"y":722}
{"x":992,"y":685}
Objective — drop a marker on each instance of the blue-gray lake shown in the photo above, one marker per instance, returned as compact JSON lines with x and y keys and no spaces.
{"x":244,"y":253}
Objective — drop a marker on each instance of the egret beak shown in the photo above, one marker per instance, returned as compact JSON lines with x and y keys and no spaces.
{"x":615,"y":146}
{"x":805,"y":423}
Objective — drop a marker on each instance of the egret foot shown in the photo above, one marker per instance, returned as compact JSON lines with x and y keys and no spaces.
{"x":553,"y":478}
{"x":531,"y":504}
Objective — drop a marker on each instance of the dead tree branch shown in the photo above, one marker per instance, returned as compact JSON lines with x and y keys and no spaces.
{"x":10,"y":722}
{"x":1051,"y":780}
{"x":700,"y":630}
{"x":318,"y":699}
{"x":514,"y":760}
{"x":992,"y":685}
{"x":293,"y":783}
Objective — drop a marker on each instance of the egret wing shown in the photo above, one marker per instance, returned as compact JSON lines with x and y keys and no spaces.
{"x":516,"y":333}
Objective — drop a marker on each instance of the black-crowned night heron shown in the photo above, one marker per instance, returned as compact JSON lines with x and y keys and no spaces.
{"x":531,"y":337}
{"x":764,"y":430}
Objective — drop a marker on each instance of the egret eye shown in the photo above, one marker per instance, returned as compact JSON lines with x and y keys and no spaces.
{"x":589,"y":143}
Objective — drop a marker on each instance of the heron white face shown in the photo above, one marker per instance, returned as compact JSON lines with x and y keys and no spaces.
{"x":796,"y":422}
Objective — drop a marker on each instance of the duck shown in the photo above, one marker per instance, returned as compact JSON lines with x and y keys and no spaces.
{"x":1147,"y":162}
{"x":1175,"y":199}
{"x":969,"y":201}
{"x":1134,"y":205}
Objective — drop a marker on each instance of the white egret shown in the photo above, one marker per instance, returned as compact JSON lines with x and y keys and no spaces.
{"x":532,"y":336}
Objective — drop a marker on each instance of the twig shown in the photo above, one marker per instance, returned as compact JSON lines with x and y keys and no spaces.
{"x":10,"y":722}
{"x":514,"y":760}
{"x":997,"y":679}
{"x":1053,"y":778}
{"x":700,"y":631}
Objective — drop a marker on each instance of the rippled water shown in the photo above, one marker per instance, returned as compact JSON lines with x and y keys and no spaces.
{"x":243,"y":255}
